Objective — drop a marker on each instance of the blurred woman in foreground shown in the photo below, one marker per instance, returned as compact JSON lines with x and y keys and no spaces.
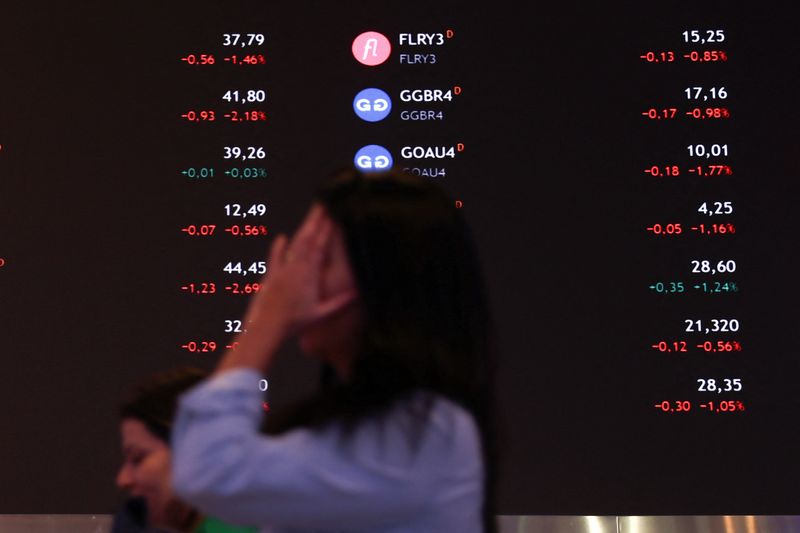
{"x":382,"y":284}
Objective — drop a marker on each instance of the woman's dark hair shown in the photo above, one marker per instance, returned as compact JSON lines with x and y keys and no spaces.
{"x":154,"y":400}
{"x":427,"y":323}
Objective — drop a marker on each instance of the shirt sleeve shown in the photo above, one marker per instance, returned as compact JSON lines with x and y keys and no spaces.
{"x":313,"y":478}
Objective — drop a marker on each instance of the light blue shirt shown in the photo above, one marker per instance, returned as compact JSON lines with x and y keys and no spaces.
{"x":377,"y":480}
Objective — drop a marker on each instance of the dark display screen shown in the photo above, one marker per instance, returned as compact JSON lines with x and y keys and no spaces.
{"x":630,"y":175}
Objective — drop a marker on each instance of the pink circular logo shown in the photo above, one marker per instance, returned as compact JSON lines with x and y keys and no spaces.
{"x":371,"y":48}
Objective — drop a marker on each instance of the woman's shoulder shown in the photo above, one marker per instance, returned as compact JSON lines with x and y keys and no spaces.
{"x":421,"y":432}
{"x":442,"y":416}
{"x":435,"y":425}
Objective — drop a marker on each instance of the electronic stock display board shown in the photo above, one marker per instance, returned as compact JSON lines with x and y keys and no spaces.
{"x":630,"y":173}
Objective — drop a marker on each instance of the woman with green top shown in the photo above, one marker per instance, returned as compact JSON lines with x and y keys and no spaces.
{"x":146,"y":418}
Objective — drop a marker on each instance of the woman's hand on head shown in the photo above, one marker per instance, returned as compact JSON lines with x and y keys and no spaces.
{"x":290,"y":296}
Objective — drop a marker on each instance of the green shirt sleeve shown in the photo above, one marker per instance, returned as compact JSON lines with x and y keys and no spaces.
{"x":214,"y":525}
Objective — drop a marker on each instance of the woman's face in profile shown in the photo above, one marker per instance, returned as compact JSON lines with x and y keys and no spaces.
{"x":335,"y":338}
{"x":145,"y":471}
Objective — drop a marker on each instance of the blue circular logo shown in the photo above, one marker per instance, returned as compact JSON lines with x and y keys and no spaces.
{"x":373,"y":158}
{"x":372,"y":105}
